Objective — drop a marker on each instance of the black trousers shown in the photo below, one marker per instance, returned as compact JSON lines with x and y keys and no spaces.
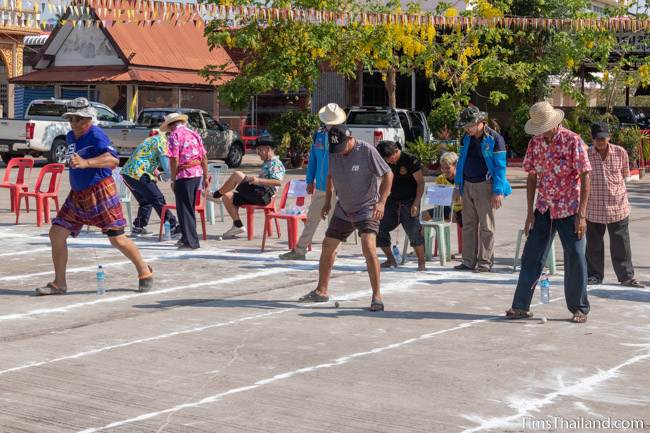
{"x":146,"y":192}
{"x":185,"y":192}
{"x":619,"y":248}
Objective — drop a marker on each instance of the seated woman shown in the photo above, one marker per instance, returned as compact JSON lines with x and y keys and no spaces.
{"x":448,"y":162}
{"x":240,"y":189}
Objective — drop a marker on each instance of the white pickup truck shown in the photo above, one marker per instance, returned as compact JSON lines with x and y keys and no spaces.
{"x":374,"y":124}
{"x":42,"y":131}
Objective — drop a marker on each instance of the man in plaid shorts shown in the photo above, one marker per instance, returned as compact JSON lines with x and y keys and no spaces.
{"x":93,"y":199}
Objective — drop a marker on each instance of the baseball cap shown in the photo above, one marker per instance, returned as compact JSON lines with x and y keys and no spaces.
{"x":600,"y":130}
{"x":338,"y":138}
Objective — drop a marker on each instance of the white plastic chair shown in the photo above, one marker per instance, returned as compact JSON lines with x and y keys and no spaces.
{"x":217,"y":171}
{"x":437,"y":223}
{"x":124,"y":193}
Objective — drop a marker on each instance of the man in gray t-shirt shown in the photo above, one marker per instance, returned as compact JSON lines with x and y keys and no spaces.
{"x":354,"y":168}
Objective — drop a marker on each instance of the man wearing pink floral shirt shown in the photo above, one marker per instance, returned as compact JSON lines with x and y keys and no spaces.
{"x":188,"y":166}
{"x":558,"y":169}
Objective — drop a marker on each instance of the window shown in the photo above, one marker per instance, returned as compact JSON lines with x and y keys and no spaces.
{"x":194,"y":119}
{"x":370,"y":118}
{"x":103,"y":115}
{"x":45,"y":109}
{"x":151,"y":119}
{"x":210,"y":123}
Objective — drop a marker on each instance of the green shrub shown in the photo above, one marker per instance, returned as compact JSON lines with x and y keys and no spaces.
{"x":630,"y":140}
{"x":294,"y":129}
{"x":443,"y":116}
{"x":424,"y":152}
{"x":518,"y":139}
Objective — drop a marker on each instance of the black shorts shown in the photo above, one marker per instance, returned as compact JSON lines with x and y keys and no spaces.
{"x":252,"y":194}
{"x":340,"y":229}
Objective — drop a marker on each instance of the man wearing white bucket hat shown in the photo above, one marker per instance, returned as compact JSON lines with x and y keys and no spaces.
{"x":558,"y":169}
{"x":317,"y":170}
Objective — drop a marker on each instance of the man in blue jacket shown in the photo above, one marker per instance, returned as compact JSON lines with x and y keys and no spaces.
{"x":481,"y":182}
{"x":317,"y":170}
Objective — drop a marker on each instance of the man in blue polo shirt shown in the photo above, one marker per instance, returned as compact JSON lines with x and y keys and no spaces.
{"x":481,"y":181}
{"x":93,"y":199}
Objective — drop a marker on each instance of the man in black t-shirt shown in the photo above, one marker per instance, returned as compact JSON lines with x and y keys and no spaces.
{"x":403,"y":205}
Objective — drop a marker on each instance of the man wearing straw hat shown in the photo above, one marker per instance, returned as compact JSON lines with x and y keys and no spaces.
{"x":189,"y":166}
{"x":317,"y":170}
{"x":93,"y":199}
{"x":558,"y":169}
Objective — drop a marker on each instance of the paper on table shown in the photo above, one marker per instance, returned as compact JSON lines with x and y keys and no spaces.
{"x":298,"y":188}
{"x":440,"y":195}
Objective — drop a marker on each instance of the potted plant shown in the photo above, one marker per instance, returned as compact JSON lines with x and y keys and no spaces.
{"x":423,"y":151}
{"x":295,"y":129}
{"x":442,"y":118}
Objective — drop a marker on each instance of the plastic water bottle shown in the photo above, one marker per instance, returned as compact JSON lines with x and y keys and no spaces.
{"x":397,"y":255}
{"x":101,"y":280}
{"x":168,"y":231}
{"x":545,"y":289}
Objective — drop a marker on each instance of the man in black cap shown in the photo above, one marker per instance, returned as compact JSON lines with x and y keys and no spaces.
{"x":240,"y":189}
{"x":608,"y":208}
{"x":354,"y":167}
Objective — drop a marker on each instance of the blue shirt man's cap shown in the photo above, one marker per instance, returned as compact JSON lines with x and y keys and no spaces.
{"x":600,"y":130}
{"x":338,"y":136}
{"x":470,"y":116}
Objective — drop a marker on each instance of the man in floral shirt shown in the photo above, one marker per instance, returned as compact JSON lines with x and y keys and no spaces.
{"x":240,"y":189}
{"x":558,"y":168}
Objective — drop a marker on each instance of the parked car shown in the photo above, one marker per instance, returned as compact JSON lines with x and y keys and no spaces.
{"x":42,"y":131}
{"x":374,"y":124}
{"x":629,"y":116}
{"x":219,"y":140}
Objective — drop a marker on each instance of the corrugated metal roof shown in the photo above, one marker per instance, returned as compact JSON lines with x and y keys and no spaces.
{"x":87,"y":75}
{"x":165,"y":44}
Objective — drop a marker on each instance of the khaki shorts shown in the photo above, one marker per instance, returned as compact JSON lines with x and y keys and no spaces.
{"x":340,"y":229}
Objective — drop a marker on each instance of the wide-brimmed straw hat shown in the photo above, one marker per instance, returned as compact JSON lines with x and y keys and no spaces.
{"x":80,"y":107}
{"x":332,"y":114}
{"x":543,"y":118}
{"x":171,"y":118}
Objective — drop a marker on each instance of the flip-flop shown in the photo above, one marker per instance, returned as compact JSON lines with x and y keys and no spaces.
{"x":376,"y":306}
{"x":314,"y":296}
{"x":51,"y":289}
{"x":388,"y":265}
{"x":515,"y":314}
{"x":145,"y":282}
{"x":579,"y":317}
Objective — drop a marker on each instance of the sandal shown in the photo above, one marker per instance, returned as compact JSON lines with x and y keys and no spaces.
{"x":376,"y":306}
{"x":145,"y":282}
{"x":515,"y":314}
{"x":579,"y":317}
{"x":314,"y":296}
{"x":632,"y":283}
{"x":51,"y":289}
{"x":388,"y":265}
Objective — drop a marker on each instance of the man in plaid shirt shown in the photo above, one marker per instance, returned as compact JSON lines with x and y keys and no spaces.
{"x":608,"y":208}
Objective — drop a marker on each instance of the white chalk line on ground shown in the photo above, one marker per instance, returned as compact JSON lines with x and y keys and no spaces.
{"x":45,"y":311}
{"x":287,"y":375}
{"x":25,"y":252}
{"x":534,"y":405}
{"x":397,"y":287}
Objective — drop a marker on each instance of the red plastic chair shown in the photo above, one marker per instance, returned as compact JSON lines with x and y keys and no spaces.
{"x":250,"y":218}
{"x":292,"y":220}
{"x":199,"y":207}
{"x":22,"y":164}
{"x":42,"y":197}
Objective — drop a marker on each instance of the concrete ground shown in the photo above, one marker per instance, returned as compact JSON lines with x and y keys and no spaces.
{"x":221,"y":345}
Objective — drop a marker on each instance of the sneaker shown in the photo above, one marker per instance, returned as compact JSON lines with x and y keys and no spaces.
{"x":176,"y":231}
{"x":593,"y":281}
{"x":233,"y":232}
{"x":139,"y":231}
{"x":293,"y":255}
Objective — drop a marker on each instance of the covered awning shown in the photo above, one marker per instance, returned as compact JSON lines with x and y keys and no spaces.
{"x":117,"y":75}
